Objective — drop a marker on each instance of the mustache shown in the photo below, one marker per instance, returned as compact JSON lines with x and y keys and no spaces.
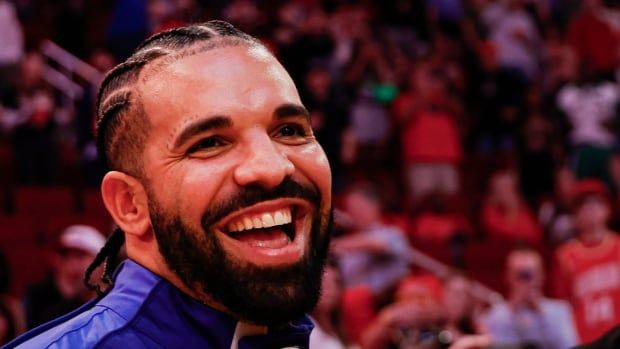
{"x":255,"y":194}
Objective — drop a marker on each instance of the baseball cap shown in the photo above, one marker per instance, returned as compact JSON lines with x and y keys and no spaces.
{"x":82,"y":237}
{"x":588,"y":187}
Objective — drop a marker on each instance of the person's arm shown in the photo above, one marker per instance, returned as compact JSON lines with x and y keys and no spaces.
{"x":359,"y":242}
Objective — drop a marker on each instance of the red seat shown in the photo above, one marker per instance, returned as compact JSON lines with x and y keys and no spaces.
{"x":18,"y":230}
{"x":44,"y":201}
{"x":28,"y":264}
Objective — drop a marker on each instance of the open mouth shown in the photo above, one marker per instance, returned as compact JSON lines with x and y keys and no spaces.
{"x":272,"y":229}
{"x":271,"y":232}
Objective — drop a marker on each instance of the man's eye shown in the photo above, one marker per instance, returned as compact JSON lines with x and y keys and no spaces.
{"x":290,"y":130}
{"x":206,"y":144}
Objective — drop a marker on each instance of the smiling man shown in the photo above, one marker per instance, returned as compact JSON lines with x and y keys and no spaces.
{"x":222,"y":196}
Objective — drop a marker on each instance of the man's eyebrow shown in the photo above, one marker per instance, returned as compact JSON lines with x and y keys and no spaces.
{"x":290,"y":109}
{"x":202,"y":125}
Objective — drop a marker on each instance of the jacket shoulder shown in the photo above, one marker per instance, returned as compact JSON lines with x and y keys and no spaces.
{"x":85,"y":330}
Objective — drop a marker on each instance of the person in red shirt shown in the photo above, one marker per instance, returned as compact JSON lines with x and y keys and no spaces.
{"x":587,"y":270}
{"x":505,"y":215}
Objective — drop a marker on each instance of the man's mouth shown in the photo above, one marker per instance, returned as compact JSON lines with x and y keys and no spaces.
{"x":272,"y":232}
{"x":268,"y":229}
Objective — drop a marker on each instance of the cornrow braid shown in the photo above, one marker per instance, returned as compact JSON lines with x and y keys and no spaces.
{"x":122,"y":125}
{"x":108,"y":255}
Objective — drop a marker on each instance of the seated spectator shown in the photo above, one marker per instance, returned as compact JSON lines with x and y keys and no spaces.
{"x":417,"y":321}
{"x":587,"y":269}
{"x":327,"y":333}
{"x":438,"y":221}
{"x":64,"y":289}
{"x":555,"y":214}
{"x":529,"y":319}
{"x":505,"y":214}
{"x":372,"y":254}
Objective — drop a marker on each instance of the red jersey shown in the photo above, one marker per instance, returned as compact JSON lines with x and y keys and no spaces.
{"x":589,"y":278}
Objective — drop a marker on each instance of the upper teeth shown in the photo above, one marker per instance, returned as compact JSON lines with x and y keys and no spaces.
{"x":262,"y":220}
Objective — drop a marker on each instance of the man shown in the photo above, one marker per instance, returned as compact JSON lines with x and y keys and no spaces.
{"x":529,"y":319}
{"x":222,"y":193}
{"x":64,"y":289}
{"x":587,"y":270}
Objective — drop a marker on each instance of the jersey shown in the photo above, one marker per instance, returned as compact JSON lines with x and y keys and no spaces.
{"x":589,"y":278}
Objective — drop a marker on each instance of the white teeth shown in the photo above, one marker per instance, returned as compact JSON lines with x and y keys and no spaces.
{"x":278,"y":218}
{"x":265,"y":220}
{"x":247,"y":222}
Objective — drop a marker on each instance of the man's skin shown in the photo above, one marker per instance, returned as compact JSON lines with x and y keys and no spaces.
{"x":190,"y":164}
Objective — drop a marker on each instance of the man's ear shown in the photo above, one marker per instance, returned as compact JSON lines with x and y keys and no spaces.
{"x":126,"y":200}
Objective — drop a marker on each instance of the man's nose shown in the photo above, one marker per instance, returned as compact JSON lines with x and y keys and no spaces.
{"x":263,"y":164}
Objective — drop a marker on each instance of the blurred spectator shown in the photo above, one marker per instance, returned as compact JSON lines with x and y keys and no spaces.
{"x":372,"y":254}
{"x":555,"y":214}
{"x":64,"y":289}
{"x":529,"y":319}
{"x":593,"y":33}
{"x":127,"y":27}
{"x":437,"y":220}
{"x":412,"y":323}
{"x":589,"y":106}
{"x":12,"y":43}
{"x":430,"y":139}
{"x":505,"y":214}
{"x":513,"y":31}
{"x":327,"y":333}
{"x":587,"y":270}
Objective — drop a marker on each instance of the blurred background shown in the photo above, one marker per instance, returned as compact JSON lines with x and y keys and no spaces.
{"x":474,"y":148}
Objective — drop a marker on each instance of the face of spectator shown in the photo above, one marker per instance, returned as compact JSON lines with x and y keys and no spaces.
{"x":31,"y":69}
{"x":591,"y":218}
{"x":504,"y":189}
{"x":363,"y":210}
{"x":238,"y":187}
{"x":69,"y":265}
{"x":318,"y":82}
{"x":456,"y":298}
{"x":524,"y":273}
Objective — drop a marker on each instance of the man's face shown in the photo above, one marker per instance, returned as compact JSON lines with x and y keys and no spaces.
{"x":525,"y":273}
{"x":239,"y":189}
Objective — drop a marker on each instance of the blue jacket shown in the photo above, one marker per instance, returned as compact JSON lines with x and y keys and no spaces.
{"x":144,"y":311}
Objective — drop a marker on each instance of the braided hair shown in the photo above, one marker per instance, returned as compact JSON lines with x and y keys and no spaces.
{"x":123,"y":126}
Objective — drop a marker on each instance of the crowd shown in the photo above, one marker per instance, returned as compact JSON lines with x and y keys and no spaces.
{"x":447,"y":123}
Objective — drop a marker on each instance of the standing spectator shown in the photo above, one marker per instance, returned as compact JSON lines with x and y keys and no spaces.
{"x":430,"y":138}
{"x":529,"y":319}
{"x":505,"y":214}
{"x":64,"y":290}
{"x":513,"y":31}
{"x":587,"y":270}
{"x":589,"y":106}
{"x":372,"y":254}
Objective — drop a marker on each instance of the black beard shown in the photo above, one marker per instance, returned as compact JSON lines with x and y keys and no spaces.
{"x":258,"y":294}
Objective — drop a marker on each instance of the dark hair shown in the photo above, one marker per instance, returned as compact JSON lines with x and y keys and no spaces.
{"x":123,"y":126}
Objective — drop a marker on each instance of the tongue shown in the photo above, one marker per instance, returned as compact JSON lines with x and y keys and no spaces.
{"x":266,"y":238}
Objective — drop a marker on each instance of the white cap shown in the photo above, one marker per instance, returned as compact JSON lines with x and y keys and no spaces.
{"x":82,"y":237}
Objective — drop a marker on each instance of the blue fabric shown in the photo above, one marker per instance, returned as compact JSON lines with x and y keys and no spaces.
{"x":145,"y":311}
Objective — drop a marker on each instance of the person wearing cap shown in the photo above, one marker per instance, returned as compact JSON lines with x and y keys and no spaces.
{"x":587,"y":270}
{"x":64,"y":289}
{"x":528,"y":318}
{"x":222,"y":195}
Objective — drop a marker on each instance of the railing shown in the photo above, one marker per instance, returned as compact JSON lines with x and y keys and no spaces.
{"x":71,"y":66}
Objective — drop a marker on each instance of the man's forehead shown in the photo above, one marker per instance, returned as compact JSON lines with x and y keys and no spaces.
{"x":216,"y":52}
